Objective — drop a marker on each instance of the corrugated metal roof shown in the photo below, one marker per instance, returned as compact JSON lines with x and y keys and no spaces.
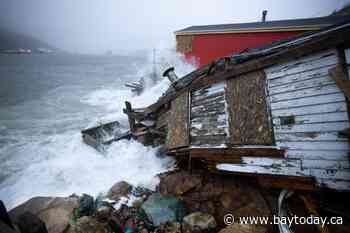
{"x":315,"y":23}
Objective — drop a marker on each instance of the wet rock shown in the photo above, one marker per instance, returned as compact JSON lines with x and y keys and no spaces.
{"x":130,"y":224}
{"x":141,"y":192}
{"x":30,"y":223}
{"x":131,"y":218}
{"x":169,"y":227}
{"x":118,"y":190}
{"x":86,"y":205}
{"x":160,"y":209}
{"x":103,"y":213}
{"x":88,"y":224}
{"x":244,"y":228}
{"x":172,"y":227}
{"x":200,"y":222}
{"x":178,"y":183}
{"x":55,"y":212}
{"x":215,"y":194}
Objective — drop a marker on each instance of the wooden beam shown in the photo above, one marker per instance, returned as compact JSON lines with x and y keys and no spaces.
{"x":289,"y":182}
{"x":128,"y":111}
{"x":339,"y":76}
{"x":227,"y":153}
{"x":273,"y":181}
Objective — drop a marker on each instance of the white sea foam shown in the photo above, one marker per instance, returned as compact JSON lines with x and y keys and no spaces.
{"x":74,"y":167}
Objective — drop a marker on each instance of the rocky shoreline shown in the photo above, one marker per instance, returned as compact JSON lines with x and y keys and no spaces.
{"x":183,"y":202}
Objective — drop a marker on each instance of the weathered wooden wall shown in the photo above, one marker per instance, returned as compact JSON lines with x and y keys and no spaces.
{"x":178,"y":129}
{"x":309,"y":112}
{"x":248,"y":115}
{"x":209,"y":124}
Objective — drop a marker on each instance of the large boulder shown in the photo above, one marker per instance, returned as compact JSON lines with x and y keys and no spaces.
{"x":199,"y":222}
{"x":244,"y":228}
{"x":214,"y":194}
{"x":55,"y":212}
{"x":119,"y":190}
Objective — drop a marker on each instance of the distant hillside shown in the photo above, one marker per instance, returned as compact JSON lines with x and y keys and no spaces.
{"x":12,"y":40}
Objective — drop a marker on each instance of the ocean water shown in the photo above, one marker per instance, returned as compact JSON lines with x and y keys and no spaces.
{"x":45,"y":100}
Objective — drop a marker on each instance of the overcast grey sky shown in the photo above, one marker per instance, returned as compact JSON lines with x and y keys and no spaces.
{"x":93,"y":26}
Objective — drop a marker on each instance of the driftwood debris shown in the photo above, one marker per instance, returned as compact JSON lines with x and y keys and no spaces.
{"x":136,"y":87}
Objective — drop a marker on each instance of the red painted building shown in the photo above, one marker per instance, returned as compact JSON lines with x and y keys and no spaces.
{"x":207,"y":43}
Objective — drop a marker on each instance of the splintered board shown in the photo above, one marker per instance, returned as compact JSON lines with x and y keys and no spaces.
{"x":208,"y":118}
{"x":248,"y":114}
{"x":178,"y":123}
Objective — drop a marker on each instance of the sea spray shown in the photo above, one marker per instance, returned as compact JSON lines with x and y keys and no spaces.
{"x":55,"y":161}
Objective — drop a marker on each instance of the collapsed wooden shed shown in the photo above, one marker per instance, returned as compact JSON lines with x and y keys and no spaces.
{"x":279,"y":113}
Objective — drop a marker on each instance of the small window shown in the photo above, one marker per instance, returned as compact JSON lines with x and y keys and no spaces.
{"x":287,"y":120}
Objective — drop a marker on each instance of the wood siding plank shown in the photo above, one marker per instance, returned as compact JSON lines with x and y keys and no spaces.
{"x":310,"y":136}
{"x":310,"y":83}
{"x":316,"y":118}
{"x":325,"y":164}
{"x":305,"y":92}
{"x":312,"y":109}
{"x":318,"y":154}
{"x":313,"y":100}
{"x":301,"y":76}
{"x":321,"y":59}
{"x":310,"y":128}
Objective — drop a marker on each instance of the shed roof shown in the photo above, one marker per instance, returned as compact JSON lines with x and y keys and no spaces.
{"x":278,"y":25}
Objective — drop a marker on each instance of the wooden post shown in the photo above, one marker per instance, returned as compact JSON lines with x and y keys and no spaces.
{"x":130,"y":118}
